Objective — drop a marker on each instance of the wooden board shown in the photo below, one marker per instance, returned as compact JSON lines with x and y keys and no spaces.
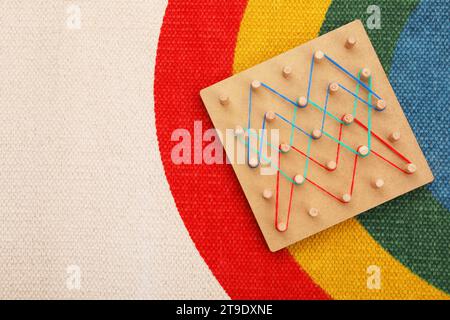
{"x":323,"y":188}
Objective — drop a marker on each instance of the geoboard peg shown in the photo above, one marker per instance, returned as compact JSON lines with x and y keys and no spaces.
{"x":378,"y":183}
{"x":394,"y":136}
{"x":316,"y":134}
{"x":318,"y":56}
{"x":253,"y":162}
{"x":348,"y":118}
{"x":380,"y":105}
{"x":366,"y":73}
{"x":256,"y":84}
{"x":331,"y":165}
{"x":287,"y":72}
{"x":270,"y":116}
{"x":299,"y":179}
{"x":346,"y":197}
{"x":350,"y":42}
{"x":363,"y":150}
{"x":238,"y":131}
{"x":411,"y":168}
{"x":334,"y":87}
{"x":284,"y":147}
{"x":267,"y":194}
{"x":313,"y":212}
{"x":281,"y":226}
{"x":302,"y":101}
{"x":224,"y":99}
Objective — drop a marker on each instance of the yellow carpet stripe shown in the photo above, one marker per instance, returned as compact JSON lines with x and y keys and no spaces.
{"x":269,"y":28}
{"x":336,"y":259}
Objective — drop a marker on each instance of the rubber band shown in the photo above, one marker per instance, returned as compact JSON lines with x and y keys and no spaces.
{"x":390,"y":147}
{"x":305,"y":170}
{"x":352,"y":76}
{"x":352,"y":185}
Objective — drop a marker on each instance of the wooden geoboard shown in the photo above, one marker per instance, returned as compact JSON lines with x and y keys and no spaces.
{"x":344,"y":144}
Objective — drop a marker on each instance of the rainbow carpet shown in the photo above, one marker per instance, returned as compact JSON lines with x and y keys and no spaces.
{"x":407,"y":238}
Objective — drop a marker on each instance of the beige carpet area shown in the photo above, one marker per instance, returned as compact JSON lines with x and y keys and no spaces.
{"x":85,"y":208}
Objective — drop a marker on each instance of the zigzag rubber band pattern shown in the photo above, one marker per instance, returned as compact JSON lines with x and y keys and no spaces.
{"x":338,"y":141}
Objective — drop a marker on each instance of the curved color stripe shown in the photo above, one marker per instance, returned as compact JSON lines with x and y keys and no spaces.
{"x":417,"y":240}
{"x":336,"y":259}
{"x":272,"y":27}
{"x":195,"y":50}
{"x":394,"y":15}
{"x":415,"y":229}
{"x":423,"y":244}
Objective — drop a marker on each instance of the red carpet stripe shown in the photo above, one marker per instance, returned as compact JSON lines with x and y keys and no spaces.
{"x":196,"y":49}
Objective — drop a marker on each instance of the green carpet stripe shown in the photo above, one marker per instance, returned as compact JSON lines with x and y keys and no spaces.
{"x":415,"y":229}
